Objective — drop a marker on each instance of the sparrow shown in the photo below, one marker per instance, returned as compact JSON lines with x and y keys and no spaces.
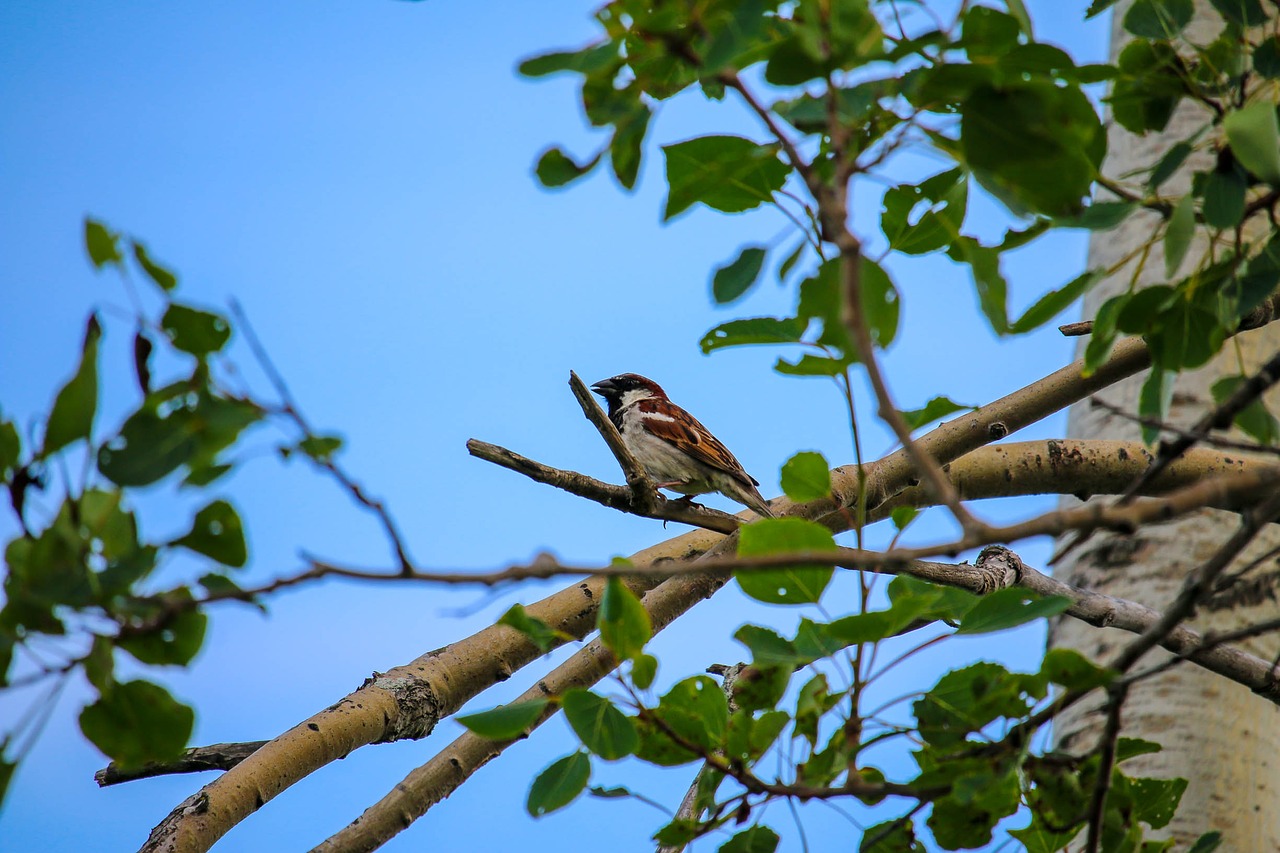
{"x":677,"y":452}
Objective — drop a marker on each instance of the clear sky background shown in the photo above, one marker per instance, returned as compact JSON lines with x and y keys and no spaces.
{"x":358,"y":175}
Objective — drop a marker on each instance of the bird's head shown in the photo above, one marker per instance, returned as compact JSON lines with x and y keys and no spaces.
{"x":626,"y":388}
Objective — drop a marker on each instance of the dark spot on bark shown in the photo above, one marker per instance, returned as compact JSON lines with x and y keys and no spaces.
{"x":455,"y":762}
{"x":1008,"y":475}
{"x":1082,"y":496}
{"x":1055,"y":452}
{"x":586,"y":590}
{"x":258,"y":802}
{"x":313,"y":727}
{"x":997,"y":430}
{"x":1123,"y":455}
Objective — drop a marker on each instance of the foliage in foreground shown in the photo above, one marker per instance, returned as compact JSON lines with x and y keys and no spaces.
{"x":841,"y":89}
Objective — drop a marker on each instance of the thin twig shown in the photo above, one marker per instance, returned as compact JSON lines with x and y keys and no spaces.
{"x":218,"y":756}
{"x":615,"y":497}
{"x":1220,"y":417}
{"x":293,"y":412}
{"x":1184,"y":432}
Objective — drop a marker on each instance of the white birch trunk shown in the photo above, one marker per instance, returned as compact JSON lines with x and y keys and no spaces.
{"x":1218,"y":735}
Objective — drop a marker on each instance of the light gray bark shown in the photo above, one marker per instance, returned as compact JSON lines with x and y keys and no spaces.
{"x":1218,"y":735}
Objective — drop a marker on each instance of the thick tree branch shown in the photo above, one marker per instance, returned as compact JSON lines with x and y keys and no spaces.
{"x":407,"y":703}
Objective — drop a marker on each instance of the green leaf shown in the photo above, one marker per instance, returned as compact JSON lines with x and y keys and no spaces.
{"x":733,"y":280}
{"x":993,"y":290}
{"x":794,"y":585}
{"x":100,"y":242}
{"x":811,"y":365}
{"x":1153,"y":401}
{"x":755,"y":330}
{"x":77,"y":401}
{"x":1009,"y":608}
{"x":591,"y":58}
{"x":1149,"y":87}
{"x":1178,"y":234}
{"x":791,"y":260}
{"x":538,"y":632}
{"x":1266,"y":57}
{"x":1254,"y":421}
{"x":726,"y":173}
{"x":1097,"y":7}
{"x":1073,"y":670}
{"x":614,"y":793}
{"x":643,"y":670}
{"x":217,"y":532}
{"x":560,"y":784}
{"x":1255,"y":139}
{"x":967,"y":699}
{"x":880,"y":302}
{"x":1156,"y":800}
{"x":135,"y":722}
{"x":506,"y":721}
{"x":627,"y":146}
{"x":1169,"y":164}
{"x":1158,"y":19}
{"x":195,"y":331}
{"x":320,"y":447}
{"x":147,"y":448}
{"x":1055,"y":302}
{"x":1247,"y":13}
{"x":1224,"y":199}
{"x":757,"y":839}
{"x":1034,"y":146}
{"x":1099,"y":216}
{"x":555,"y":168}
{"x":10,"y":447}
{"x":902,"y":516}
{"x":891,"y":836}
{"x":806,"y":477}
{"x":1132,"y":747}
{"x":163,"y":277}
{"x":1039,"y":839}
{"x":1207,"y":843}
{"x":176,"y":643}
{"x":7,"y":769}
{"x":603,"y":729}
{"x":697,"y":711}
{"x":938,"y":407}
{"x":768,"y":647}
{"x":624,"y":623}
{"x":937,"y":206}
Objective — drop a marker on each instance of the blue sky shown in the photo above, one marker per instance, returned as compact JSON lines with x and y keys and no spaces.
{"x":358,"y":175}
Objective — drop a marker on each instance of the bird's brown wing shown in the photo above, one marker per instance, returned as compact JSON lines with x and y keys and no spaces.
{"x":685,"y":432}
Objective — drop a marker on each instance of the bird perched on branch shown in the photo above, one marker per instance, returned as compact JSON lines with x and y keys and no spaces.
{"x":675,"y":450}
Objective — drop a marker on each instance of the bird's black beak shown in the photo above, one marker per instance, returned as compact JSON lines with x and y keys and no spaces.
{"x":604,"y":387}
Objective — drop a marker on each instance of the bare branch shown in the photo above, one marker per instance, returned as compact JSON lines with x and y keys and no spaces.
{"x":218,"y":756}
{"x":650,"y":503}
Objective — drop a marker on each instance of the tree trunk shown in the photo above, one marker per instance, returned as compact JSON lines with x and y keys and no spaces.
{"x":1218,"y":735}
